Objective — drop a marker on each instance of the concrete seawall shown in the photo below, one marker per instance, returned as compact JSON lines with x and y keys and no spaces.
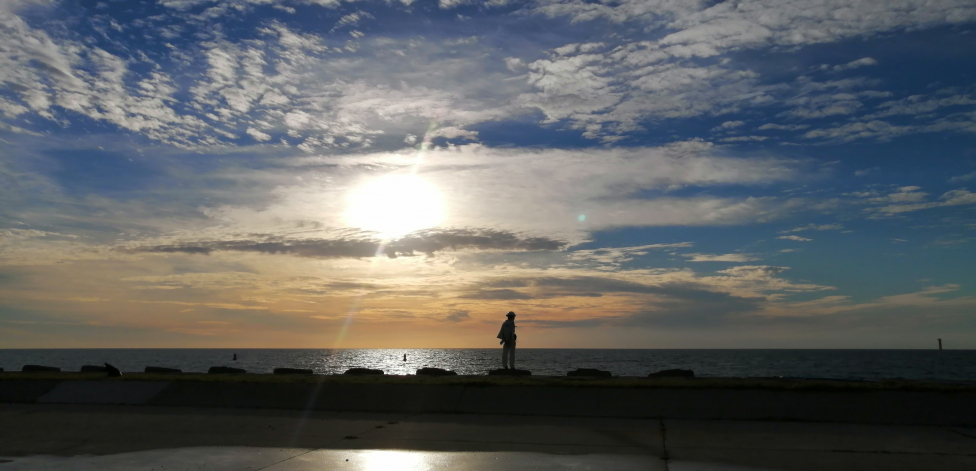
{"x":866,"y":407}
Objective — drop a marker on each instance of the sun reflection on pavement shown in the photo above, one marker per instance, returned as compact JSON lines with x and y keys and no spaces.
{"x":382,"y":460}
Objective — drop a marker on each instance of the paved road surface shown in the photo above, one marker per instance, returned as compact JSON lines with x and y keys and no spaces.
{"x":109,"y":438}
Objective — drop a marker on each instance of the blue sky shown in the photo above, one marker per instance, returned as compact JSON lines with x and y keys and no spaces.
{"x":640,"y":174}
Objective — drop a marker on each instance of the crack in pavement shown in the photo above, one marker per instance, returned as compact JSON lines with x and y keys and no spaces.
{"x":664,"y":444}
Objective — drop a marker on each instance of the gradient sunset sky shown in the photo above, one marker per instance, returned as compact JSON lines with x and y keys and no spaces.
{"x":621,"y":174}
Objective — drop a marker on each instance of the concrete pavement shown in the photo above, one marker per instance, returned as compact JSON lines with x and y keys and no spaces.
{"x":109,"y":438}
{"x":635,"y":398}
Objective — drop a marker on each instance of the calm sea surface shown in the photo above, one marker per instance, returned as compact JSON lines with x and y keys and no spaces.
{"x":839,"y":364}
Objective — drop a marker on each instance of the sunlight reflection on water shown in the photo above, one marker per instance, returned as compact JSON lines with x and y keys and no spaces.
{"x":843,"y":364}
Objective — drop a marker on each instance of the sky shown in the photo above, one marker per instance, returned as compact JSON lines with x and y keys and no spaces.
{"x":402,"y":173}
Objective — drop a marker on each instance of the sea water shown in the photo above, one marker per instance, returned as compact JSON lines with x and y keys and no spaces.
{"x":952,"y":365}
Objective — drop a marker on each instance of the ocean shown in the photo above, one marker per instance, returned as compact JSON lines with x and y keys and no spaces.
{"x":948,"y":365}
{"x":954,"y":365}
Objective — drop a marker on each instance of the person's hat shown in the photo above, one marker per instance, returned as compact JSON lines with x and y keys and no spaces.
{"x":510,"y":314}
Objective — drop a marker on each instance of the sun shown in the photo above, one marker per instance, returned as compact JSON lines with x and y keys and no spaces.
{"x":395,"y":205}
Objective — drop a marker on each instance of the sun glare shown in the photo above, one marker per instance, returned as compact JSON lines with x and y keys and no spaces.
{"x":394,"y":205}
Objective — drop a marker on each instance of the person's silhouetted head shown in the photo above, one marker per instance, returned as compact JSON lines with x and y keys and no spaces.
{"x":510,"y":315}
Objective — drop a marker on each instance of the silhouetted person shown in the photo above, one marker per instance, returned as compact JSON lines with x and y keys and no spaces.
{"x":507,"y":335}
{"x":404,"y":357}
{"x":235,"y":357}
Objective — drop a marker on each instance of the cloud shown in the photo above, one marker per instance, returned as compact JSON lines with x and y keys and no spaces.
{"x":870,"y":128}
{"x":452,"y":132}
{"x":457,"y":316}
{"x":608,"y":93}
{"x":258,"y":135}
{"x":815,"y":227}
{"x":730,"y":257}
{"x":615,"y":256}
{"x":579,"y":10}
{"x":544,"y":191}
{"x":817,"y":102}
{"x":918,"y":105}
{"x":426,"y":242}
{"x":674,"y":304}
{"x":55,"y":79}
{"x":701,"y":310}
{"x":863,"y":62}
{"x":745,"y":139}
{"x":963,"y":178}
{"x":271,"y":78}
{"x":860,"y":130}
{"x":909,"y":199}
{"x":796,"y":238}
{"x":760,"y":23}
{"x":892,"y":311}
{"x":748,"y":281}
{"x":352,"y":19}
{"x":728,"y":125}
{"x":783,"y":127}
{"x":324,"y":92}
{"x":496,"y":294}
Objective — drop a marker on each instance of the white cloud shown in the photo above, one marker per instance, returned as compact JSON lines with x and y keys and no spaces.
{"x":612,"y":257}
{"x":285,"y":79}
{"x":908,"y":199}
{"x":745,"y":139}
{"x":452,"y":132}
{"x":919,"y":104}
{"x":866,"y":171}
{"x":514,"y":64}
{"x":539,"y":191}
{"x":863,"y":62}
{"x":963,"y":178}
{"x":730,"y":257}
{"x":351,"y":92}
{"x":619,"y":12}
{"x":815,"y":227}
{"x":728,"y":125}
{"x":52,"y":78}
{"x":258,"y":135}
{"x":570,"y":86}
{"x":783,"y":127}
{"x":860,"y":130}
{"x":352,"y":19}
{"x":661,"y":85}
{"x":611,"y":93}
{"x":830,"y":98}
{"x":756,"y":23}
{"x":795,"y":238}
{"x":822,"y":106}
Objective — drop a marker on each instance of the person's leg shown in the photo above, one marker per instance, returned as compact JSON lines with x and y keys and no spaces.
{"x":504,"y":355}
{"x":511,"y":355}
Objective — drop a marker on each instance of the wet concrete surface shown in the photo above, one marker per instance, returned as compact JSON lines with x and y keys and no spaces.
{"x":221,"y":459}
{"x":109,"y":438}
